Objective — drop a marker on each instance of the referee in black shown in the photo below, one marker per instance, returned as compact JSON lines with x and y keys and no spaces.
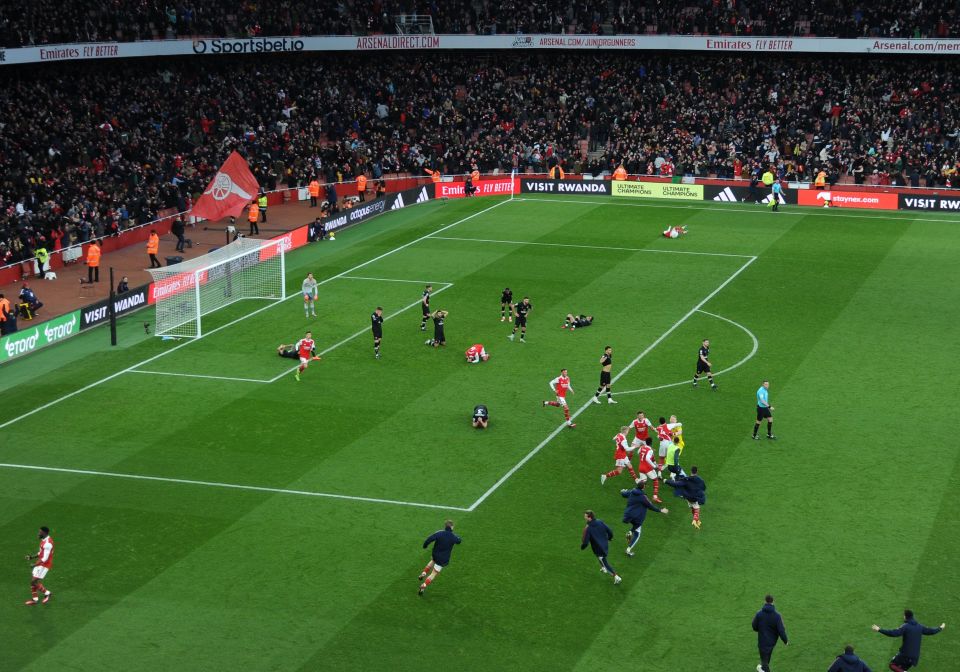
{"x":376,"y":326}
{"x":606,"y":363}
{"x":703,"y":365}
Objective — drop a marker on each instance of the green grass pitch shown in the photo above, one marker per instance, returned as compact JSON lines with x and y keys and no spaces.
{"x":312,"y":565}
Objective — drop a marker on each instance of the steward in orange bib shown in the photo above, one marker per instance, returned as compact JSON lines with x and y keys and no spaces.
{"x":93,"y":262}
{"x":362,"y":187}
{"x":252,"y":217}
{"x":556,"y":173}
{"x":314,"y":189}
{"x":434,"y":174}
{"x":620,"y":173}
{"x":153,"y":246}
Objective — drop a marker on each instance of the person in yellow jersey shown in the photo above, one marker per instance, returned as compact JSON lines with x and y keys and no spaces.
{"x":262,"y":204}
{"x":677,"y":431}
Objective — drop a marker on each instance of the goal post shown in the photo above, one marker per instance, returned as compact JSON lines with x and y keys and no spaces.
{"x":186,"y":292}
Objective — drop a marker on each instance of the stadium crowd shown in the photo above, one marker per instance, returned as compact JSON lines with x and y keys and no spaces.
{"x":87,"y":156}
{"x":35,"y":22}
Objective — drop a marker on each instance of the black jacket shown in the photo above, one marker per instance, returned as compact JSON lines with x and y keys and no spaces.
{"x":598,"y":536}
{"x":178,"y":228}
{"x":769,"y":627}
{"x":912,"y":633}
{"x":637,"y":505}
{"x":848,"y":662}
{"x":443,"y":542}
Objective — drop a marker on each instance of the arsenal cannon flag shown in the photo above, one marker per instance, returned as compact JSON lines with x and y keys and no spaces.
{"x":231,"y":189}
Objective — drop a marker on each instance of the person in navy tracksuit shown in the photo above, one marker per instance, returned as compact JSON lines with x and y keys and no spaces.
{"x":912,"y":633}
{"x":768,"y":624}
{"x":848,"y":661}
{"x":443,"y":542}
{"x":636,"y":513}
{"x":598,"y":536}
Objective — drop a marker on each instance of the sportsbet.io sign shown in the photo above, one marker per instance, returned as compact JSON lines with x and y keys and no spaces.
{"x":40,"y":336}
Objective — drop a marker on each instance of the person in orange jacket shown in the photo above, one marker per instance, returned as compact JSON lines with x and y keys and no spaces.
{"x":362,"y":187}
{"x":434,"y":174}
{"x":253,"y":216}
{"x":93,"y":262}
{"x":153,"y":246}
{"x":620,"y":173}
{"x":314,"y":189}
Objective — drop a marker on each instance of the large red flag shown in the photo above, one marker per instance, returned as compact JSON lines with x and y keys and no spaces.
{"x":231,"y":189}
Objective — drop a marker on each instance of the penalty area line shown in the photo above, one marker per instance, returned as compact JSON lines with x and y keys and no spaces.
{"x":550,"y":437}
{"x":753,"y":351}
{"x":231,"y":486}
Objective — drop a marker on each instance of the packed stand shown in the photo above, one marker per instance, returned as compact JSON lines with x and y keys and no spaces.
{"x":37,"y":22}
{"x":84,"y":156}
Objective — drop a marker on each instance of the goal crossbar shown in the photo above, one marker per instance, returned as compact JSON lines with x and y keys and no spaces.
{"x":186,"y":292}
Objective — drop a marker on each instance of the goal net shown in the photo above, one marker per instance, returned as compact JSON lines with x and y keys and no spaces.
{"x":245,"y":269}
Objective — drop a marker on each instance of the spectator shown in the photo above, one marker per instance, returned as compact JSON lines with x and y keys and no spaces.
{"x":123,"y":286}
{"x":177,"y":228}
{"x":768,"y":624}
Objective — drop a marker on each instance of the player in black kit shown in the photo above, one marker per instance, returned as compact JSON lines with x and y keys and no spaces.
{"x":703,"y":364}
{"x":520,"y":311}
{"x":505,"y":300}
{"x":438,"y":337}
{"x":481,"y":416}
{"x":425,"y":306}
{"x":606,"y":363}
{"x":376,"y":325}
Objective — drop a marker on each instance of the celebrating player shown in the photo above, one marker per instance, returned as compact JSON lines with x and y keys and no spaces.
{"x":310,"y":295}
{"x":621,"y":457}
{"x":606,"y":363}
{"x":642,"y":427}
{"x":703,"y":364}
{"x":560,"y":386}
{"x":306,"y":349}
{"x":44,"y":561}
{"x":665,"y":435}
{"x":520,"y":311}
{"x":636,"y":512}
{"x":476,"y":354}
{"x":376,"y":326}
{"x":694,"y":490}
{"x":443,"y":542}
{"x":580,"y":320}
{"x":675,"y":232}
{"x":425,"y":307}
{"x":647,"y":470}
{"x":481,"y":416}
{"x":506,"y":303}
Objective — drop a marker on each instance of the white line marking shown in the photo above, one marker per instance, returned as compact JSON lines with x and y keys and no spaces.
{"x":419,"y":282}
{"x":197,"y":375}
{"x":592,"y":247}
{"x":233,"y":486}
{"x":503,"y":479}
{"x":759,"y":210}
{"x":83,"y":389}
{"x":753,"y":351}
{"x":359,"y":333}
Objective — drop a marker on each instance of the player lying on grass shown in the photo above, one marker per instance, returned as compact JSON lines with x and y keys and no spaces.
{"x":290,"y":352}
{"x":675,"y":232}
{"x":476,"y":354}
{"x":577,"y":321}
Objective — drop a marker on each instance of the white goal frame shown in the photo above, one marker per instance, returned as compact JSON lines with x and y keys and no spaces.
{"x":216,"y":280}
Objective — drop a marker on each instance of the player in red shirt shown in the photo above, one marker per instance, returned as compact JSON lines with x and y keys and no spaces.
{"x":621,"y":457}
{"x":642,"y":427}
{"x":44,"y":561}
{"x":675,"y":232}
{"x":648,"y":470}
{"x":665,"y":435}
{"x":306,"y":349}
{"x":476,"y":354}
{"x":560,"y":386}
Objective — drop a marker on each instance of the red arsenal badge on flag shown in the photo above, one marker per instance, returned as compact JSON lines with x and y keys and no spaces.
{"x":231,"y":189}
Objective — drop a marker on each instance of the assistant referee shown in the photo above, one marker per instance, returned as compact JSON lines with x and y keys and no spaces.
{"x":764,"y":411}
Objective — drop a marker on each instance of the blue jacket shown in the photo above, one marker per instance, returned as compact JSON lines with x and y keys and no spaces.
{"x":769,"y":627}
{"x":912,"y":633}
{"x":691,"y":488}
{"x":598,"y":535}
{"x":637,"y":505}
{"x":443,"y":542}
{"x":849,"y":662}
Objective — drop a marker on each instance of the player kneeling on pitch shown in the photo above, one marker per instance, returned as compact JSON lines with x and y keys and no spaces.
{"x":476,"y":354}
{"x":481,"y":416}
{"x":693,"y":489}
{"x":675,"y":232}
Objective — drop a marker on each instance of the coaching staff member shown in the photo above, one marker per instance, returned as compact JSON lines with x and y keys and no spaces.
{"x":768,"y":624}
{"x":912,"y":633}
{"x":443,"y":542}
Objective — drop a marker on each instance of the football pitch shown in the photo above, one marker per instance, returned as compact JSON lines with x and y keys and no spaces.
{"x":212,"y":513}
